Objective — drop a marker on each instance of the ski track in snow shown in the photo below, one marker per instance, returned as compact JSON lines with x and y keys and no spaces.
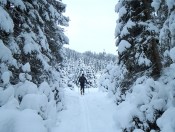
{"x":92,"y":112}
{"x":86,"y":122}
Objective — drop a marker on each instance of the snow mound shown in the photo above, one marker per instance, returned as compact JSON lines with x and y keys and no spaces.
{"x":6,"y":77}
{"x":35,"y":102}
{"x":6,"y":95}
{"x":166,"y":121}
{"x":21,"y":121}
{"x":25,"y":88}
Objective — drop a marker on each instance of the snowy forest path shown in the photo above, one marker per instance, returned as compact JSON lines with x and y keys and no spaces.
{"x":92,"y":112}
{"x":85,"y":113}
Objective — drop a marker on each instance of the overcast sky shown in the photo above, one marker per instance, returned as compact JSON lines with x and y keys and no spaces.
{"x":92,"y":25}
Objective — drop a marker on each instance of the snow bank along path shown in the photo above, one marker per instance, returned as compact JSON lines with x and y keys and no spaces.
{"x":92,"y":112}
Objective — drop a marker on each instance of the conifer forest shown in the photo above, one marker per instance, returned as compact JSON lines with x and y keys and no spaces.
{"x":132,"y":91}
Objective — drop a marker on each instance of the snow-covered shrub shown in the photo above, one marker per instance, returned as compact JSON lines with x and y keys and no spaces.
{"x":51,"y":106}
{"x":40,"y":99}
{"x":24,"y":88}
{"x":107,"y":78}
{"x":110,"y":80}
{"x":133,"y":111}
{"x":11,"y":104}
{"x":6,"y":77}
{"x":44,"y":88}
{"x":58,"y":96}
{"x":35,"y":102}
{"x":57,"y":86}
{"x":21,"y":121}
{"x":149,"y":104}
{"x":52,"y":110}
{"x":166,"y":121}
{"x":6,"y":95}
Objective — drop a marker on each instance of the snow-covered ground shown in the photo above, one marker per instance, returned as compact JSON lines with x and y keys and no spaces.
{"x":92,"y":112}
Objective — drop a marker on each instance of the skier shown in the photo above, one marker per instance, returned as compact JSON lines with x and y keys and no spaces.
{"x":82,"y":81}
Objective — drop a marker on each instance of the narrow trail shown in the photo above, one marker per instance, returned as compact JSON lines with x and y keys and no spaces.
{"x":92,"y":112}
{"x":85,"y":112}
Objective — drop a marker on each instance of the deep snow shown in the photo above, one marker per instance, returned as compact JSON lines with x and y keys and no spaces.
{"x":92,"y":112}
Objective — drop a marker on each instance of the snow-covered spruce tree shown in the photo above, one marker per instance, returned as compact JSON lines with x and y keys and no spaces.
{"x":165,"y":21}
{"x":70,"y":71}
{"x":51,"y":13}
{"x":137,"y":40}
{"x":7,"y":48}
{"x":30,"y":74}
{"x":91,"y":76}
{"x":165,"y":14}
{"x":55,"y":35}
{"x":31,"y":25}
{"x":138,"y":49}
{"x":110,"y":80}
{"x":26,"y":39}
{"x":148,"y":104}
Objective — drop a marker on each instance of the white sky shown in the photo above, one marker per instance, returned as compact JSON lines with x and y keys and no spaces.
{"x":92,"y":25}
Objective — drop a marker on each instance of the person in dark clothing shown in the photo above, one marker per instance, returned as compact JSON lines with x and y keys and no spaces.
{"x":82,"y":81}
